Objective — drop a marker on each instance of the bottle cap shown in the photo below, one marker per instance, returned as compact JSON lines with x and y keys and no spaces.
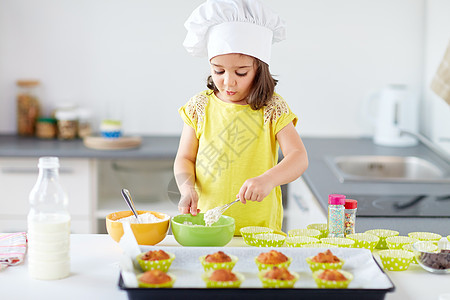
{"x":48,"y":162}
{"x":351,"y":204}
{"x":336,"y":199}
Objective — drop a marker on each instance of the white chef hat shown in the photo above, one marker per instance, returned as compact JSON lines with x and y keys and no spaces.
{"x":233,"y":26}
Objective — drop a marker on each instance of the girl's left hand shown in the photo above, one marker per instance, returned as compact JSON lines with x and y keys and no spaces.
{"x":255,"y":189}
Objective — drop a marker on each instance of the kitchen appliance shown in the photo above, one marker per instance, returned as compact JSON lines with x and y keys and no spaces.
{"x":391,"y":110}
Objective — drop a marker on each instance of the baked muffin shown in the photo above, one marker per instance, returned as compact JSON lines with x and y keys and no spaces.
{"x":333,"y":275}
{"x":155,"y":279}
{"x":218,"y":260}
{"x":324,"y":260}
{"x":278,"y":278}
{"x":222,"y":278}
{"x":270,"y":259}
{"x":332,"y":279}
{"x":155,"y":259}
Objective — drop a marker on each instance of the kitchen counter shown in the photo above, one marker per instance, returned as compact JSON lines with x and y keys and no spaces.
{"x":322,"y":181}
{"x":95,"y":273}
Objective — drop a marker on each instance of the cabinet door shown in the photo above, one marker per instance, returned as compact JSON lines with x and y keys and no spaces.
{"x":18,"y":176}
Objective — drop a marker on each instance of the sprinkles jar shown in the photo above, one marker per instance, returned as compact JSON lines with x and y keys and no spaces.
{"x":350,"y":216}
{"x":336,"y":215}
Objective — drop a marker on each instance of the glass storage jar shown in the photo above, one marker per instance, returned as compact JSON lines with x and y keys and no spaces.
{"x":27,"y":106}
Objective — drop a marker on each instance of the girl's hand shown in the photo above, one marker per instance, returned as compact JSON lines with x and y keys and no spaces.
{"x":188,"y":203}
{"x":255,"y":189}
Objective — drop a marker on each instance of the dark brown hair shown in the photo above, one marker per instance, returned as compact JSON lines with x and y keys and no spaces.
{"x":262,"y":89}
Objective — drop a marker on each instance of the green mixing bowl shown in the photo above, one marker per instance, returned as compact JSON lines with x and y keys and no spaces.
{"x":190,"y":230}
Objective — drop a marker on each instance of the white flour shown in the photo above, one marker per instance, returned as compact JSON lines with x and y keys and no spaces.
{"x":144,"y":218}
{"x":212,"y":216}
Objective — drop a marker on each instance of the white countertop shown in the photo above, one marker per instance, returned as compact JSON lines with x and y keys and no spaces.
{"x":95,"y":274}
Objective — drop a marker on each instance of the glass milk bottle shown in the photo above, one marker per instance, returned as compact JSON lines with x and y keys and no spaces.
{"x":48,"y":225}
{"x":336,"y":215}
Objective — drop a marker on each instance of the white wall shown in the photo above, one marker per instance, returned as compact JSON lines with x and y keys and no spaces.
{"x":101,"y":53}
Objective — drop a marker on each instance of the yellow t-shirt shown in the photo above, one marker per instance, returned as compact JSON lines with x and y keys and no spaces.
{"x":236,"y":143}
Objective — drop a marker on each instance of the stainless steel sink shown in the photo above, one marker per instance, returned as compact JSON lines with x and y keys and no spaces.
{"x":387,"y":168}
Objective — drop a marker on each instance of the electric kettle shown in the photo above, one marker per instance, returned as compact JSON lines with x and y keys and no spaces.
{"x":391,"y":110}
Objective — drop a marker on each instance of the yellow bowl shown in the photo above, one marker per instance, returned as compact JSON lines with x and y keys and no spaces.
{"x":364,"y":240}
{"x":145,"y":234}
{"x":331,"y":284}
{"x":396,"y":260}
{"x":305,"y":232}
{"x":425,"y":236}
{"x":382,"y":234}
{"x":322,"y":227}
{"x":397,"y":242}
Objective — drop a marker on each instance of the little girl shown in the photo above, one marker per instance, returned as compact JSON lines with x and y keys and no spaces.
{"x":229,"y":143}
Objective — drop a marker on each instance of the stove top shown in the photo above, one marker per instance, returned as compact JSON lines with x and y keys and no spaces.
{"x":402,"y":206}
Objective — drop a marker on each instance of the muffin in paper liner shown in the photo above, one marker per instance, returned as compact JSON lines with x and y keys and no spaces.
{"x":168,"y":284}
{"x":331,"y":284}
{"x":319,"y":245}
{"x":425,"y":236}
{"x":249,"y":232}
{"x":262,"y":267}
{"x":269,"y":240}
{"x":396,"y":260}
{"x":322,"y":227}
{"x":222,"y":284}
{"x":397,"y":242}
{"x":340,"y":242}
{"x":364,"y":240}
{"x":207,"y":266}
{"x":299,"y":241}
{"x":163,"y":264}
{"x":276,"y":283}
{"x":305,"y":232}
{"x":382,"y":234}
{"x":315,"y":266}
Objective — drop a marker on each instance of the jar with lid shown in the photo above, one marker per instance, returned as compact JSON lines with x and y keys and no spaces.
{"x":350,"y":216}
{"x":336,"y":215}
{"x":48,"y":224}
{"x":84,"y":122}
{"x":28,"y":107}
{"x":46,"y":128}
{"x":67,"y":124}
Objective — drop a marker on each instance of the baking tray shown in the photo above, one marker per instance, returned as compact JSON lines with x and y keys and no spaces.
{"x":370,"y":281}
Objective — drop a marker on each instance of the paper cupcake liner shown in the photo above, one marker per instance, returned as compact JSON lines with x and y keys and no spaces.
{"x":305,"y":232}
{"x":315,"y":266}
{"x":322,"y":227}
{"x":269,"y":240}
{"x":262,"y":267}
{"x":222,"y":284}
{"x":207,"y":266}
{"x":382,"y":234}
{"x":397,"y":242}
{"x":409,"y":247}
{"x":162,"y":265}
{"x":249,"y":232}
{"x":396,"y":260}
{"x":319,"y":245}
{"x":425,"y":236}
{"x":153,"y":285}
{"x":340,"y":242}
{"x":364,"y":240}
{"x":276,"y":283}
{"x":299,"y":241}
{"x":331,"y":284}
{"x":448,"y":237}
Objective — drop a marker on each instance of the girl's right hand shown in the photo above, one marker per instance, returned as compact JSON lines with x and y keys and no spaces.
{"x":188,"y":203}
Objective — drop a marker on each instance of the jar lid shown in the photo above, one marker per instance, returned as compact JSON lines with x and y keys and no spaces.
{"x":351,"y":204}
{"x":46,"y":120}
{"x":66,"y":115}
{"x":27,"y":83}
{"x":336,"y":199}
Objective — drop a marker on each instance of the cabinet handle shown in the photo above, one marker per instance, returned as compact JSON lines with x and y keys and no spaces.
{"x":17,"y":170}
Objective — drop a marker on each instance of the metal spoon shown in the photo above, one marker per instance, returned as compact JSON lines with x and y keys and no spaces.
{"x":213,"y":215}
{"x":127,"y":196}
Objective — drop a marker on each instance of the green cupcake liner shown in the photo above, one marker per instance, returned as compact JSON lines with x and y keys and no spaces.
{"x":319,"y":245}
{"x":340,"y":242}
{"x":331,"y":284}
{"x":382,"y":234}
{"x":163,"y":265}
{"x":397,"y":242}
{"x":315,"y":266}
{"x":269,"y":240}
{"x":249,"y":232}
{"x":364,"y":240}
{"x":207,"y":266}
{"x":425,"y":236}
{"x":262,"y":267}
{"x":150,"y":285}
{"x":222,"y":284}
{"x":305,"y":232}
{"x":322,"y":227}
{"x":275,"y":283}
{"x":409,"y":247}
{"x":299,"y":241}
{"x":448,"y":237}
{"x":396,"y":260}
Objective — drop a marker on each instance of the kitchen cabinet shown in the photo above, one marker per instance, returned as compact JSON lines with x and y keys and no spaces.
{"x":17,"y":178}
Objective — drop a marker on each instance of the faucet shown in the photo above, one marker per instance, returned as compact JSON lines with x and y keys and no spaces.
{"x":436,"y":149}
